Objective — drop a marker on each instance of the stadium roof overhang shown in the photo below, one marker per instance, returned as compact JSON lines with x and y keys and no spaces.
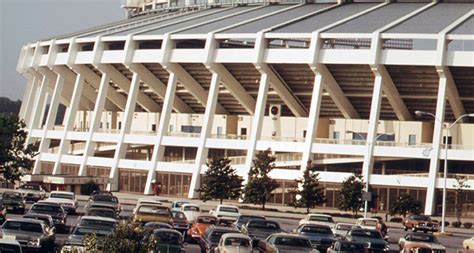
{"x":411,"y":45}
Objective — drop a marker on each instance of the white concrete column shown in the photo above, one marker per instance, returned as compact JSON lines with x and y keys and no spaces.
{"x":202,"y":151}
{"x":121,"y":149}
{"x":50,"y":120}
{"x":37,"y":106}
{"x":94,"y":125}
{"x":69,"y":122}
{"x":29,"y":88}
{"x":159,"y":150}
{"x":430,"y":207}
{"x":313,"y":119}
{"x":28,"y":103}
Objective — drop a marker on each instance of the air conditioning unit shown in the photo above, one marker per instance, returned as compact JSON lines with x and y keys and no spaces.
{"x":274,"y":111}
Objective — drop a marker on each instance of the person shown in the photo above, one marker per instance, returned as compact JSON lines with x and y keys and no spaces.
{"x":157,"y":189}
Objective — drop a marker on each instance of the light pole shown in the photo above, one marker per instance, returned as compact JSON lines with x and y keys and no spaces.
{"x":445,"y":174}
{"x":367,"y":172}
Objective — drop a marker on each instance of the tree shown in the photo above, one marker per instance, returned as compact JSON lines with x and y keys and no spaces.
{"x":125,"y":238}
{"x":259,"y":187}
{"x":350,"y":197}
{"x":460,"y":195}
{"x":308,"y":193}
{"x":222,"y":181}
{"x":405,"y":204}
{"x":15,"y":156}
{"x":89,"y":187}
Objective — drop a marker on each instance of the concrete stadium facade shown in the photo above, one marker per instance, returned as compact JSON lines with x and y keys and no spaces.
{"x":360,"y":69}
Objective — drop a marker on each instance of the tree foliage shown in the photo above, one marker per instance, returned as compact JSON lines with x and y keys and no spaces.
{"x":124,"y":239}
{"x":405,"y":204}
{"x":308,"y":193}
{"x":222,"y":181}
{"x":260,"y":185}
{"x":15,"y":156}
{"x":460,"y":191}
{"x":89,"y":187}
{"x":350,"y":198}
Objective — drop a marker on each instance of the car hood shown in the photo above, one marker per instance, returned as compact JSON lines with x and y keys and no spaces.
{"x":330,"y":224}
{"x":152,"y":217}
{"x":228,"y":214}
{"x":236,"y":249}
{"x":53,"y":215}
{"x":20,"y":235}
{"x":61,"y":201}
{"x":261,"y":234}
{"x":318,"y":237}
{"x":99,"y":203}
{"x":24,"y":191}
{"x":292,"y":249}
{"x":368,"y":240}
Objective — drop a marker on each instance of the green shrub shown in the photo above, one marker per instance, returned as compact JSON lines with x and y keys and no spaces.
{"x":89,"y":187}
{"x":456,"y":224}
{"x":467,"y":225}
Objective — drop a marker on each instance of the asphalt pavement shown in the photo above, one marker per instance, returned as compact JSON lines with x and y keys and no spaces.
{"x":452,"y":243}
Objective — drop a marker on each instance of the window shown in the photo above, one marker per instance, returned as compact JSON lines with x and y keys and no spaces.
{"x":219,"y":130}
{"x":336,"y":135}
{"x":304,"y":133}
{"x":243,"y":131}
{"x":107,"y":126}
{"x":120,"y":125}
{"x":191,"y":129}
{"x":171,"y":128}
{"x":101,"y":125}
{"x":411,"y":139}
{"x":359,"y":136}
{"x":153,"y":127}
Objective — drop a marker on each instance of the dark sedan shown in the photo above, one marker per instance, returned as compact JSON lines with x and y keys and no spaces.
{"x":105,"y":201}
{"x":13,"y":201}
{"x":211,"y":237}
{"x":371,"y":238}
{"x":243,"y":219}
{"x":31,"y":234}
{"x":260,"y":229}
{"x":55,"y":210}
{"x":167,"y":240}
{"x":321,"y":236}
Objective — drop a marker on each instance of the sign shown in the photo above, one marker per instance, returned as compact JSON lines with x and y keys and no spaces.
{"x":366,"y":196}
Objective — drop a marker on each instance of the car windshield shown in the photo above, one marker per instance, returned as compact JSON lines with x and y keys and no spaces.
{"x":369,"y":223}
{"x":9,"y":248}
{"x":84,"y":231}
{"x":293,"y":241}
{"x":263,"y":224}
{"x":179,"y":204}
{"x":12,"y":197}
{"x":316,"y":230}
{"x":168,"y":237}
{"x":61,"y":196}
{"x":320,"y":218}
{"x":102,"y":213}
{"x":206,"y":220}
{"x":229,"y":209}
{"x":178,"y":215}
{"x":97,"y":222}
{"x":23,"y":226}
{"x":105,"y":198}
{"x":156,"y":225}
{"x":46,"y":209}
{"x":366,"y":233}
{"x":45,"y":219}
{"x":345,"y":227}
{"x":30,"y":187}
{"x":237,"y":242}
{"x":245,"y":218}
{"x":191,"y":208}
{"x":216,"y":235}
{"x":159,"y":210}
{"x":422,"y":238}
{"x":421,"y":217}
{"x":352,"y":247}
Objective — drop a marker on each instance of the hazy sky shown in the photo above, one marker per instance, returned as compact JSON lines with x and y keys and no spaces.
{"x":23,"y":21}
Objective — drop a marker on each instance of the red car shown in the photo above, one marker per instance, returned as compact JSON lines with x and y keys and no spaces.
{"x":417,"y":222}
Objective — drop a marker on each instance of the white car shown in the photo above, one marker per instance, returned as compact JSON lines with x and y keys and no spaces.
{"x":316,"y":218}
{"x":234,"y":243}
{"x":226,"y":211}
{"x":147,"y":200}
{"x":191,"y":211}
{"x":7,"y":245}
{"x":468,"y":243}
{"x":368,"y":223}
{"x":66,"y":199}
{"x":341,"y":229}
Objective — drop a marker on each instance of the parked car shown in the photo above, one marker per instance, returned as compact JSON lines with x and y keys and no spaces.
{"x":102,"y":212}
{"x":244,"y":218}
{"x":341,"y":229}
{"x":200,"y":226}
{"x":180,"y":222}
{"x":260,"y":229}
{"x":77,"y":235}
{"x":97,"y":222}
{"x":146,"y":200}
{"x":176,"y":205}
{"x":234,"y":243}
{"x":32,"y":192}
{"x":192,"y":211}
{"x":420,"y":237}
{"x":417,"y":222}
{"x":55,"y":210}
{"x":468,"y":243}
{"x":209,"y":240}
{"x":227,"y":211}
{"x":66,"y":199}
{"x":316,"y":218}
{"x":342,"y":246}
{"x":149,"y":212}
{"x":101,"y":192}
{"x":10,"y":246}
{"x":156,"y":225}
{"x":47,"y":219}
{"x":368,"y":223}
{"x":168,"y":240}
{"x":104,"y":201}
{"x":321,"y":236}
{"x":13,"y":201}
{"x":419,"y":247}
{"x":31,"y":234}
{"x":372,"y":238}
{"x":286,"y":243}
{"x":3,"y":211}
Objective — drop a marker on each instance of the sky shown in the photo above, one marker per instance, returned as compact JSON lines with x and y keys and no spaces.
{"x":23,"y":21}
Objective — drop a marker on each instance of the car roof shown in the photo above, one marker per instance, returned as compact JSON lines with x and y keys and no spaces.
{"x":191,"y":204}
{"x":315,"y":225}
{"x":93,"y":228}
{"x":37,"y":215}
{"x":63,"y":192}
{"x":320,"y":214}
{"x":290,"y":235}
{"x":230,"y":206}
{"x":26,"y":220}
{"x":9,"y":241}
{"x":90,"y":217}
{"x":238,"y":235}
{"x":369,"y":219}
{"x":347,"y":224}
{"x":167,"y":230}
{"x":46,"y":202}
{"x":216,"y":227}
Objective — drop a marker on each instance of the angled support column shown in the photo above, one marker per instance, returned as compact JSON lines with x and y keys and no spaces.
{"x":121,"y":149}
{"x":38,"y":105}
{"x":51,"y":118}
{"x":29,"y":88}
{"x":69,"y":122}
{"x":31,"y":99}
{"x":202,"y":150}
